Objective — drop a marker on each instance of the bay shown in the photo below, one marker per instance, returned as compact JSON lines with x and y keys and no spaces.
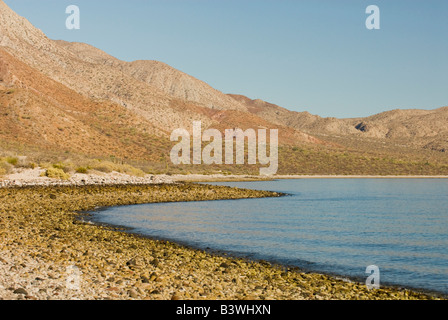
{"x":333,"y":226}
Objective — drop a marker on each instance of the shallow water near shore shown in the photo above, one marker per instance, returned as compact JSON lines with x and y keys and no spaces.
{"x":328,"y":225}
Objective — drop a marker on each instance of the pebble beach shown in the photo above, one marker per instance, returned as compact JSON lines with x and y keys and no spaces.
{"x":50,"y":251}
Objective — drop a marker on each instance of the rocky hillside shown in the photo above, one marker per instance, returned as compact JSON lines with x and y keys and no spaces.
{"x":151,"y":91}
{"x":74,"y":98}
{"x":423,"y":128}
{"x":414,"y":128}
{"x":38,"y":111}
{"x":172,"y":82}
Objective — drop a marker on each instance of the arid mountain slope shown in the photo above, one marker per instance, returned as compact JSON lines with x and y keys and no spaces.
{"x":95,"y":81}
{"x":72,"y":97}
{"x":38,"y":111}
{"x":424,"y":128}
{"x":415,"y":128}
{"x":159,"y":75}
{"x":165,"y":97}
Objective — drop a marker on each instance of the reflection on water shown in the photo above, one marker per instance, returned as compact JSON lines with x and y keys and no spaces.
{"x":336,"y":226}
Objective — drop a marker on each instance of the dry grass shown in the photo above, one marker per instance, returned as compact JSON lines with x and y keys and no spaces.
{"x":299,"y":159}
{"x":5,"y":167}
{"x":108,"y":166}
{"x":56,"y":173}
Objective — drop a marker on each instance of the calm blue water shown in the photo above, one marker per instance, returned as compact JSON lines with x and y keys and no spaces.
{"x":336,"y":226}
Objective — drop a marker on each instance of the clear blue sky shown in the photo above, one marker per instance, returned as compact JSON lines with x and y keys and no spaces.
{"x":313,"y":55}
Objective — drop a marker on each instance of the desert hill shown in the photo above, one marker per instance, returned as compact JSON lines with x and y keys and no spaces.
{"x":38,"y":111}
{"x":72,"y":98}
{"x":159,"y":75}
{"x":413,"y":127}
{"x":164,"y":96}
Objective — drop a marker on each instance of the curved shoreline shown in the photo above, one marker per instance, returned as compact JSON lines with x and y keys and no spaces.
{"x":272,"y":261}
{"x":41,"y":240}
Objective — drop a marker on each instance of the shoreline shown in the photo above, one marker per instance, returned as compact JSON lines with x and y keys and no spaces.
{"x":33,"y":177}
{"x":274,"y":263}
{"x":248,"y":178}
{"x":41,"y":238}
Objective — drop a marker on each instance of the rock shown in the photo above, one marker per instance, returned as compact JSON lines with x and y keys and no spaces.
{"x":176,"y":297}
{"x":131,"y":263}
{"x":21,"y":291}
{"x":153,"y":276}
{"x":133,"y":294}
{"x":155,"y":262}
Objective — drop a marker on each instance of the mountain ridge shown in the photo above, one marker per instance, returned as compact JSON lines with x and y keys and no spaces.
{"x":61,"y":96}
{"x":425,"y":128}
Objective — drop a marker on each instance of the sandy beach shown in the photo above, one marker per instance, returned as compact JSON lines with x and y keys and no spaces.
{"x":49,"y":251}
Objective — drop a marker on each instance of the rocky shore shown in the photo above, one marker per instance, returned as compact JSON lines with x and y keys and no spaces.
{"x":49,"y":251}
{"x":35,"y":177}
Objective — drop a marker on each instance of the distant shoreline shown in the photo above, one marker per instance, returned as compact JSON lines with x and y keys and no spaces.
{"x":33,"y":177}
{"x":242,"y":178}
{"x":359,"y":177}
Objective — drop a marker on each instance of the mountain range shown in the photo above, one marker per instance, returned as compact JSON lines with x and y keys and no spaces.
{"x":59,"y":97}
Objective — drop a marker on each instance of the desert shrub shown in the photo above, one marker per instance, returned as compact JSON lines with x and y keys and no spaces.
{"x":12,"y":160}
{"x":147,"y":170}
{"x":128,"y":169}
{"x":82,"y":170}
{"x":27,"y":165}
{"x":45,"y":165}
{"x":56,"y":173}
{"x":64,"y":166}
{"x":59,"y":166}
{"x":5,"y":168}
{"x":20,"y":162}
{"x":108,"y":167}
{"x":104,"y":167}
